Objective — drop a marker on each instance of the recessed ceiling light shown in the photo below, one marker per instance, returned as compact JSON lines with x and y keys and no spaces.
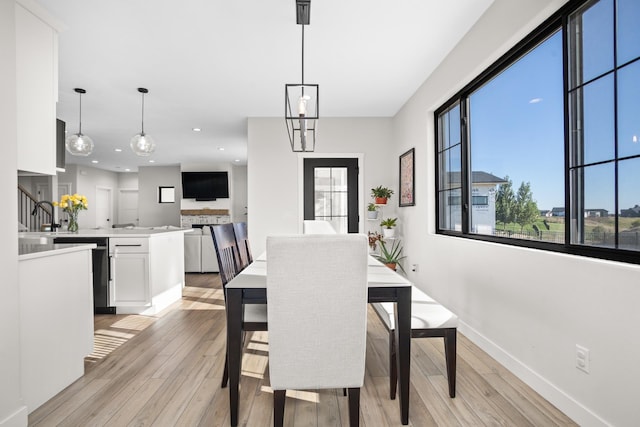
{"x":196,"y":129}
{"x":94,"y":161}
{"x":152,"y":161}
{"x":117,"y":150}
{"x":236,"y":160}
{"x":221,"y":148}
{"x":127,"y":170}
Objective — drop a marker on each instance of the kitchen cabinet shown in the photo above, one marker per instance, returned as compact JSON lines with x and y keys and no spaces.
{"x":129,"y":283}
{"x":146,"y":272}
{"x":36,"y":88}
{"x":56,"y":318}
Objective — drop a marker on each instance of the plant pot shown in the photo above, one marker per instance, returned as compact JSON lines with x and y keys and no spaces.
{"x":372,"y":214}
{"x":381,"y":200}
{"x":391,"y":265}
{"x":389,"y":232}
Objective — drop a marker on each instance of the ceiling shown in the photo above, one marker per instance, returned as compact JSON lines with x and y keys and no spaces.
{"x":211,"y":64}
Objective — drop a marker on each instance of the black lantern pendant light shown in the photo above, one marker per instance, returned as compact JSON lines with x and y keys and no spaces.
{"x":79,"y":144}
{"x":142,"y":144}
{"x":301,"y":100}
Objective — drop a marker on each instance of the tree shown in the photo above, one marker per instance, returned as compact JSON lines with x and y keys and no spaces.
{"x":526,"y":208}
{"x":505,"y":203}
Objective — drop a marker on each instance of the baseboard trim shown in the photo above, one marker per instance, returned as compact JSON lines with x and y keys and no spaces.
{"x":20,"y":418}
{"x":561,"y":400}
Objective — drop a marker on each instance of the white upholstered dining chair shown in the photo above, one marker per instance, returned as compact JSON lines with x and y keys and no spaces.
{"x":317,"y":304}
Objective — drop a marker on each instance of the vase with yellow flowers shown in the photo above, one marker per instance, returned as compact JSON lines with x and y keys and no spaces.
{"x":72,"y":204}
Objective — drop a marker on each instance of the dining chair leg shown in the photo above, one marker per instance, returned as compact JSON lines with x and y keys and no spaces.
{"x":225,"y":372}
{"x":393,"y":366}
{"x":450,"y":355}
{"x":354,"y":407}
{"x":278,"y":407}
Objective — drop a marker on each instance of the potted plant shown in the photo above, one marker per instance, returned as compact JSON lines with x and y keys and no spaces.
{"x":374,"y":238}
{"x":381,"y":194}
{"x":372,"y":211}
{"x":387,"y":225}
{"x":391,"y":256}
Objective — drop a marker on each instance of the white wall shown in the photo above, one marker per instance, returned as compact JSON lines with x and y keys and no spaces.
{"x":240,"y":208}
{"x":527,"y":308}
{"x":274,"y":179}
{"x":127,"y":180}
{"x":13,"y":412}
{"x":150,"y":211}
{"x":88,"y":179}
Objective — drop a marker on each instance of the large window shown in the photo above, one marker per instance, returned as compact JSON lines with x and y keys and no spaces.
{"x":538,"y":153}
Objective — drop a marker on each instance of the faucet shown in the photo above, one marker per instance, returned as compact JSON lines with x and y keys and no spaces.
{"x":53,"y":213}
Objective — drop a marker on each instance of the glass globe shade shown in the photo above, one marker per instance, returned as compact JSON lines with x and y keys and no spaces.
{"x":142,"y":144}
{"x":79,"y":144}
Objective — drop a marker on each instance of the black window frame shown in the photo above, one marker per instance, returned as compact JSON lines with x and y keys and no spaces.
{"x":558,"y":21}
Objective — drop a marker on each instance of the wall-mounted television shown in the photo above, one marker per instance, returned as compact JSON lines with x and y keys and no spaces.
{"x":204,"y":186}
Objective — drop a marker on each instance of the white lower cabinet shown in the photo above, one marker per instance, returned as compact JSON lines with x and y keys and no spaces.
{"x":146,"y":273}
{"x":129,"y":282}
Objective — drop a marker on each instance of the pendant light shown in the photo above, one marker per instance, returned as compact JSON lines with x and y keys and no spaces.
{"x":142,"y":144}
{"x":79,"y":144}
{"x":301,"y":100}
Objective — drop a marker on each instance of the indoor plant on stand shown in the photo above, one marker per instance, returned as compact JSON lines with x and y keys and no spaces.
{"x":381,"y":194}
{"x":372,"y":211}
{"x":391,"y":256}
{"x":388,"y":225}
{"x":72,"y":204}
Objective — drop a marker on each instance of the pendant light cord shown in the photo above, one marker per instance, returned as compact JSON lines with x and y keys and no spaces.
{"x":80,"y":120}
{"x":303,"y":54}
{"x":142,"y":114}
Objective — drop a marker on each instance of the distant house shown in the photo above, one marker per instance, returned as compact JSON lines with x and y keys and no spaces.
{"x":633,"y":212}
{"x":596,"y":213}
{"x":483,"y":201}
{"x":588,"y":213}
{"x":545,"y":213}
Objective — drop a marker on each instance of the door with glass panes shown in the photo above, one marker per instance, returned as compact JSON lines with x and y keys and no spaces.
{"x":331,"y":192}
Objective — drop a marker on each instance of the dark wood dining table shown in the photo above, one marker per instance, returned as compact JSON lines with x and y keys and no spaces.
{"x":385,"y":285}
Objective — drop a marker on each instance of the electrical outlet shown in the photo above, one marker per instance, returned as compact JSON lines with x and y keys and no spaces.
{"x":582,"y":358}
{"x":414,"y":267}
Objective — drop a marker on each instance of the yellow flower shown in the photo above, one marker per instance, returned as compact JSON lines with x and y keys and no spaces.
{"x":72,"y":203}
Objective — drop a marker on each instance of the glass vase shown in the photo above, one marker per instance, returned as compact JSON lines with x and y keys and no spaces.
{"x":73,"y":222}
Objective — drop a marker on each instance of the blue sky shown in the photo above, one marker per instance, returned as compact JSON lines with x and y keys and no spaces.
{"x":517,"y":124}
{"x":517,"y":118}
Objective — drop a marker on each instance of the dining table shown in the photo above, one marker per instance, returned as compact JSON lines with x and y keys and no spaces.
{"x":384,"y":285}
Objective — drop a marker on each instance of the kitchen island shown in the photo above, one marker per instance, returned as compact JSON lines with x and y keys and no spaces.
{"x":56,"y":317}
{"x":144,"y":267}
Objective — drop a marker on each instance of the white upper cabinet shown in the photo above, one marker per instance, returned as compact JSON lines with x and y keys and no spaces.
{"x":36,"y":88}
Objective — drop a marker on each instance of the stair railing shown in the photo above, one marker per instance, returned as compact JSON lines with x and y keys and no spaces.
{"x":26,"y":204}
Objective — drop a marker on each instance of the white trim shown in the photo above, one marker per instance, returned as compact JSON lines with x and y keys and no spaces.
{"x":17,"y":419}
{"x":572,"y":408}
{"x":359,"y":156}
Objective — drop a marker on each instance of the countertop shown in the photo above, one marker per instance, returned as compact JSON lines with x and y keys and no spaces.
{"x":107,"y":232}
{"x":39,"y":250}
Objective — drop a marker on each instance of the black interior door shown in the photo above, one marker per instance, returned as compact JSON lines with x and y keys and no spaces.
{"x":331,"y":192}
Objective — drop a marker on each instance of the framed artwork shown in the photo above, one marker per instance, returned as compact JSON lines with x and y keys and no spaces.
{"x":407,"y":178}
{"x":166,"y":195}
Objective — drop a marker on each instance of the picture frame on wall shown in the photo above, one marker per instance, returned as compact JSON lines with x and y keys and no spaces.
{"x":166,"y":195}
{"x":407,"y":179}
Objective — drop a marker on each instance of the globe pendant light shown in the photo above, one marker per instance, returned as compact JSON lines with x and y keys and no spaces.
{"x":79,"y":144}
{"x":142,"y":144}
{"x":301,"y":100}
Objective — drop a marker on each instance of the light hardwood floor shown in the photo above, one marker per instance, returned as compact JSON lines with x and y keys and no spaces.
{"x":165,"y":370}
